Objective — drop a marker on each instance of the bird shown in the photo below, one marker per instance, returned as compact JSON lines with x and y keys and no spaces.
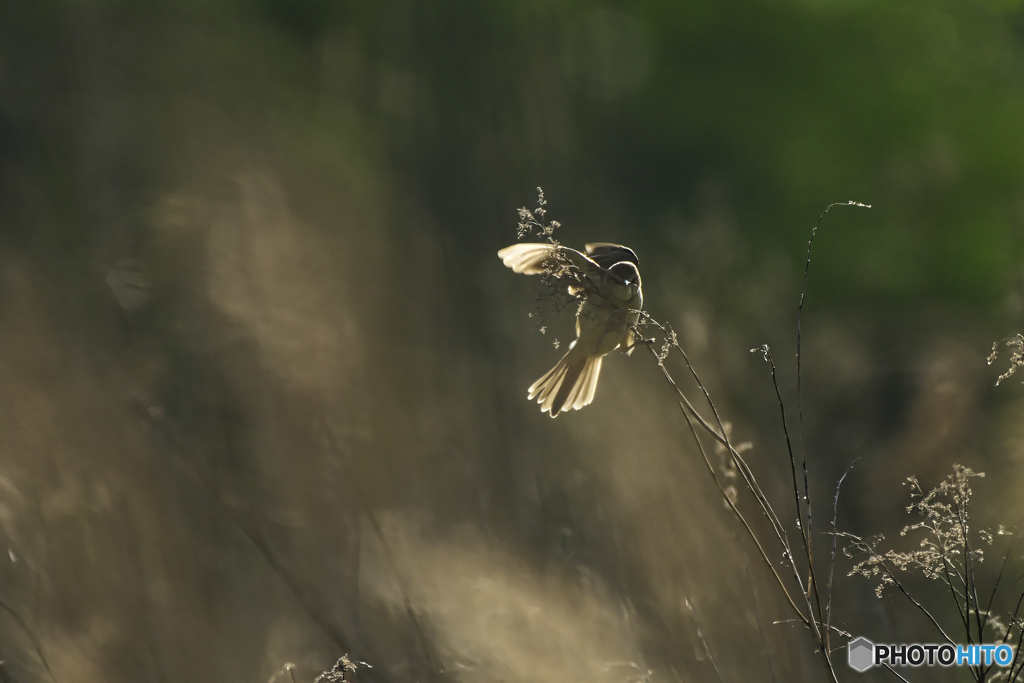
{"x":607,"y":280}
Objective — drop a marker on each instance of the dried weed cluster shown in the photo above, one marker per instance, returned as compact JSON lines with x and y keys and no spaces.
{"x":950,"y":553}
{"x":946,"y":552}
{"x":343,"y":671}
{"x":562,"y":284}
{"x":1016,"y":343}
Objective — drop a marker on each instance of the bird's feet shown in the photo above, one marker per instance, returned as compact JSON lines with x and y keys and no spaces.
{"x":638,"y":342}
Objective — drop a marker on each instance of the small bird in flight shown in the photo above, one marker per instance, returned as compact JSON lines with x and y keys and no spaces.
{"x":607,"y":280}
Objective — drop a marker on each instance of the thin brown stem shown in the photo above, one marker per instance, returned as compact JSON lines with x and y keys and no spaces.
{"x":807,"y":527}
{"x":801,"y":523}
{"x":687,"y":410}
{"x":892,"y":578}
{"x":741,"y":464}
{"x":832,"y":560}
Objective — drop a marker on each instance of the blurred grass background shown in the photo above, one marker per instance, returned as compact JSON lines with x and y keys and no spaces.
{"x":312,"y":436}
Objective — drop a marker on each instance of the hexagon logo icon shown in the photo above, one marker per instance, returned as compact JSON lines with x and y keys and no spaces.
{"x":861,"y":652}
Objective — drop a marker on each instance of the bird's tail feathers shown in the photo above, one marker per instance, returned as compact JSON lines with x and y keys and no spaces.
{"x":572,"y":383}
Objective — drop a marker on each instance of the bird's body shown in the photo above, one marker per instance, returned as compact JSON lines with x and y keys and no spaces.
{"x":609,"y":284}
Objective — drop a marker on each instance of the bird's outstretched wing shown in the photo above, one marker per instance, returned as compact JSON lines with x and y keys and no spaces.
{"x":606,"y":254}
{"x":530,"y":259}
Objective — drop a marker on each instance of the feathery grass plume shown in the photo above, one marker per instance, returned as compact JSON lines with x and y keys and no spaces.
{"x":949,"y":553}
{"x":343,"y":671}
{"x":946,"y":552}
{"x":1016,"y":355}
{"x":562,"y":284}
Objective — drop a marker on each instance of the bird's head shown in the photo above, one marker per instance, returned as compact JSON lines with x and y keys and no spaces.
{"x":624,"y":281}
